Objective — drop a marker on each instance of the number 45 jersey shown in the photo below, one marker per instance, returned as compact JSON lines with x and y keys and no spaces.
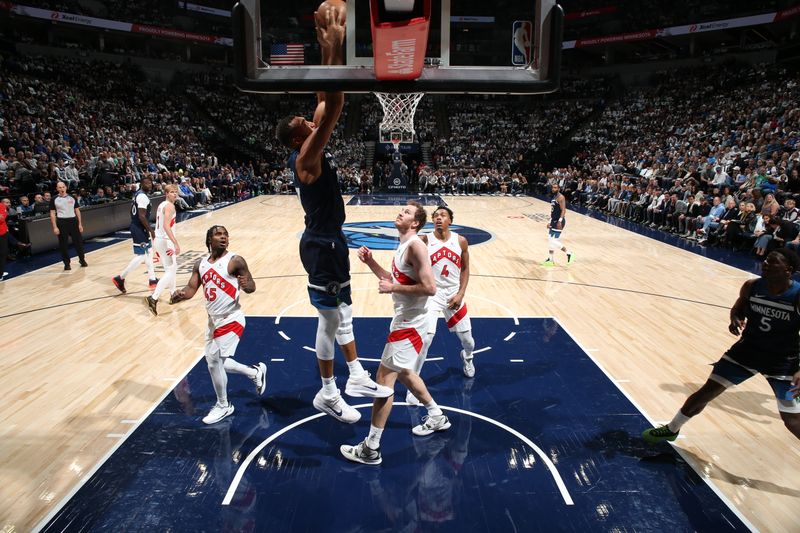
{"x":220,"y":288}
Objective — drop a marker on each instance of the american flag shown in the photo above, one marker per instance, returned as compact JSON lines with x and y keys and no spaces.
{"x":286,"y":54}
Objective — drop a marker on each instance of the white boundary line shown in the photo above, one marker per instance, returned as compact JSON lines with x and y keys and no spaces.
{"x":372,"y":360}
{"x":67,"y":497}
{"x":708,"y":482}
{"x":546,"y":460}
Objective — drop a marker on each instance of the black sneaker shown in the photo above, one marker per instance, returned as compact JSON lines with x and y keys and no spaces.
{"x":361,"y":453}
{"x":67,"y":266}
{"x":84,"y":263}
{"x":151,"y":304}
{"x":659,"y":434}
{"x":119,"y":283}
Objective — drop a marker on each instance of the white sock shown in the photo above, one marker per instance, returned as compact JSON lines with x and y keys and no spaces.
{"x":374,"y":437}
{"x":148,"y":260}
{"x":551,"y":254}
{"x":238,"y":368}
{"x":433,"y":409}
{"x":355,"y":367}
{"x":136,"y":261}
{"x":467,"y":343}
{"x":168,"y":279}
{"x":677,"y":423}
{"x":219,"y":379}
{"x":329,"y":387}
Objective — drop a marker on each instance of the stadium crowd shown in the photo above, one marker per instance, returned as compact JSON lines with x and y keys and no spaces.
{"x":711,"y":152}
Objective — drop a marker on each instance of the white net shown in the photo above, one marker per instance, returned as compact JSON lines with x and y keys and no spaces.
{"x":398,"y":112}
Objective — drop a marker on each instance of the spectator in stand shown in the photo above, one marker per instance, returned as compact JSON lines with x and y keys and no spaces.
{"x":3,"y":240}
{"x":40,"y":205}
{"x":25,"y":208}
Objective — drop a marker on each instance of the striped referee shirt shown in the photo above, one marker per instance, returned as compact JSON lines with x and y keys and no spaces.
{"x":64,"y":206}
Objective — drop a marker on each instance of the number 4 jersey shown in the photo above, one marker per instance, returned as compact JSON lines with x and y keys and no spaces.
{"x":770,"y":341}
{"x":445,"y":260}
{"x":220,"y":288}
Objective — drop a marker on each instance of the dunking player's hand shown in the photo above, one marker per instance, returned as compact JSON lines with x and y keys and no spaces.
{"x":331,"y":34}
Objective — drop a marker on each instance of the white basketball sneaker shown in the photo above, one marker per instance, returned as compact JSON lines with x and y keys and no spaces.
{"x":336,"y":407}
{"x":260,"y":380}
{"x":362,"y":386}
{"x":218,"y":413}
{"x":469,"y":366}
{"x":361,"y":453}
{"x":431,"y":424}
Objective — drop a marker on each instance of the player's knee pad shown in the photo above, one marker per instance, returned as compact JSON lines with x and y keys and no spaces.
{"x":344,"y":333}
{"x":327,"y":324}
{"x":467,"y":342}
{"x":552,"y":242}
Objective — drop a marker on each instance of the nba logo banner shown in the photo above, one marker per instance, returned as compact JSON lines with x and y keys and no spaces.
{"x":522,"y":32}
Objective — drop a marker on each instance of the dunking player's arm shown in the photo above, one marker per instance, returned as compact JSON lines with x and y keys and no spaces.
{"x":329,"y":105}
{"x":237,"y":267}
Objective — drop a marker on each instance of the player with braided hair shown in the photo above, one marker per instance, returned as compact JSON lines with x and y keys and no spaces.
{"x":223,"y":275}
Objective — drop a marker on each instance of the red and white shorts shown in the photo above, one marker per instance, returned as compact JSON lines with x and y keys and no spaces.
{"x":223,"y":334}
{"x":457,"y":319}
{"x":405,"y":341}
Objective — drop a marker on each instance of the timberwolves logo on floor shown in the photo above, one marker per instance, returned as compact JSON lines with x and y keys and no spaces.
{"x":383,"y":235}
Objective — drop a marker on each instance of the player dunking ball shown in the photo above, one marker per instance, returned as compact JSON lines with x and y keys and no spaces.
{"x":166,"y":244}
{"x":223,"y":274}
{"x":449,"y":256}
{"x":556,"y":225}
{"x":410,"y":283}
{"x":323,"y":247}
{"x":768,"y":308}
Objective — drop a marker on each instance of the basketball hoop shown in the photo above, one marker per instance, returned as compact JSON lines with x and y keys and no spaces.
{"x":398,"y":117}
{"x":396,"y":138}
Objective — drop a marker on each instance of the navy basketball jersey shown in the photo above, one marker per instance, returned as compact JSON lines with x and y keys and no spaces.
{"x":322,"y":200}
{"x":770,"y":341}
{"x":136,"y":205}
{"x":556,"y":212}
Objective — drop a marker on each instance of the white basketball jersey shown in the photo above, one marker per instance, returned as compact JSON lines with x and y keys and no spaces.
{"x":220,"y":288}
{"x":162,"y":223}
{"x":402,"y":273}
{"x":445,"y":260}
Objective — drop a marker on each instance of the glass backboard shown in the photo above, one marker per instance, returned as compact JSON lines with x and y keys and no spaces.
{"x":502,"y":46}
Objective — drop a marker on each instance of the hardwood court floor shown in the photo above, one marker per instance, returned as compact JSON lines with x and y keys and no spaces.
{"x":84,"y":364}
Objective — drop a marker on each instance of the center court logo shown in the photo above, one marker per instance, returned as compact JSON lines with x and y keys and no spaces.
{"x":383,"y":235}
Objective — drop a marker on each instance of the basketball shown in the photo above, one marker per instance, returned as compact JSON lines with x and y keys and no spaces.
{"x":339,"y":7}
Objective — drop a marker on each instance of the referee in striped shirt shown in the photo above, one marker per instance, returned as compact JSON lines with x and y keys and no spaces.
{"x":66,"y":218}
